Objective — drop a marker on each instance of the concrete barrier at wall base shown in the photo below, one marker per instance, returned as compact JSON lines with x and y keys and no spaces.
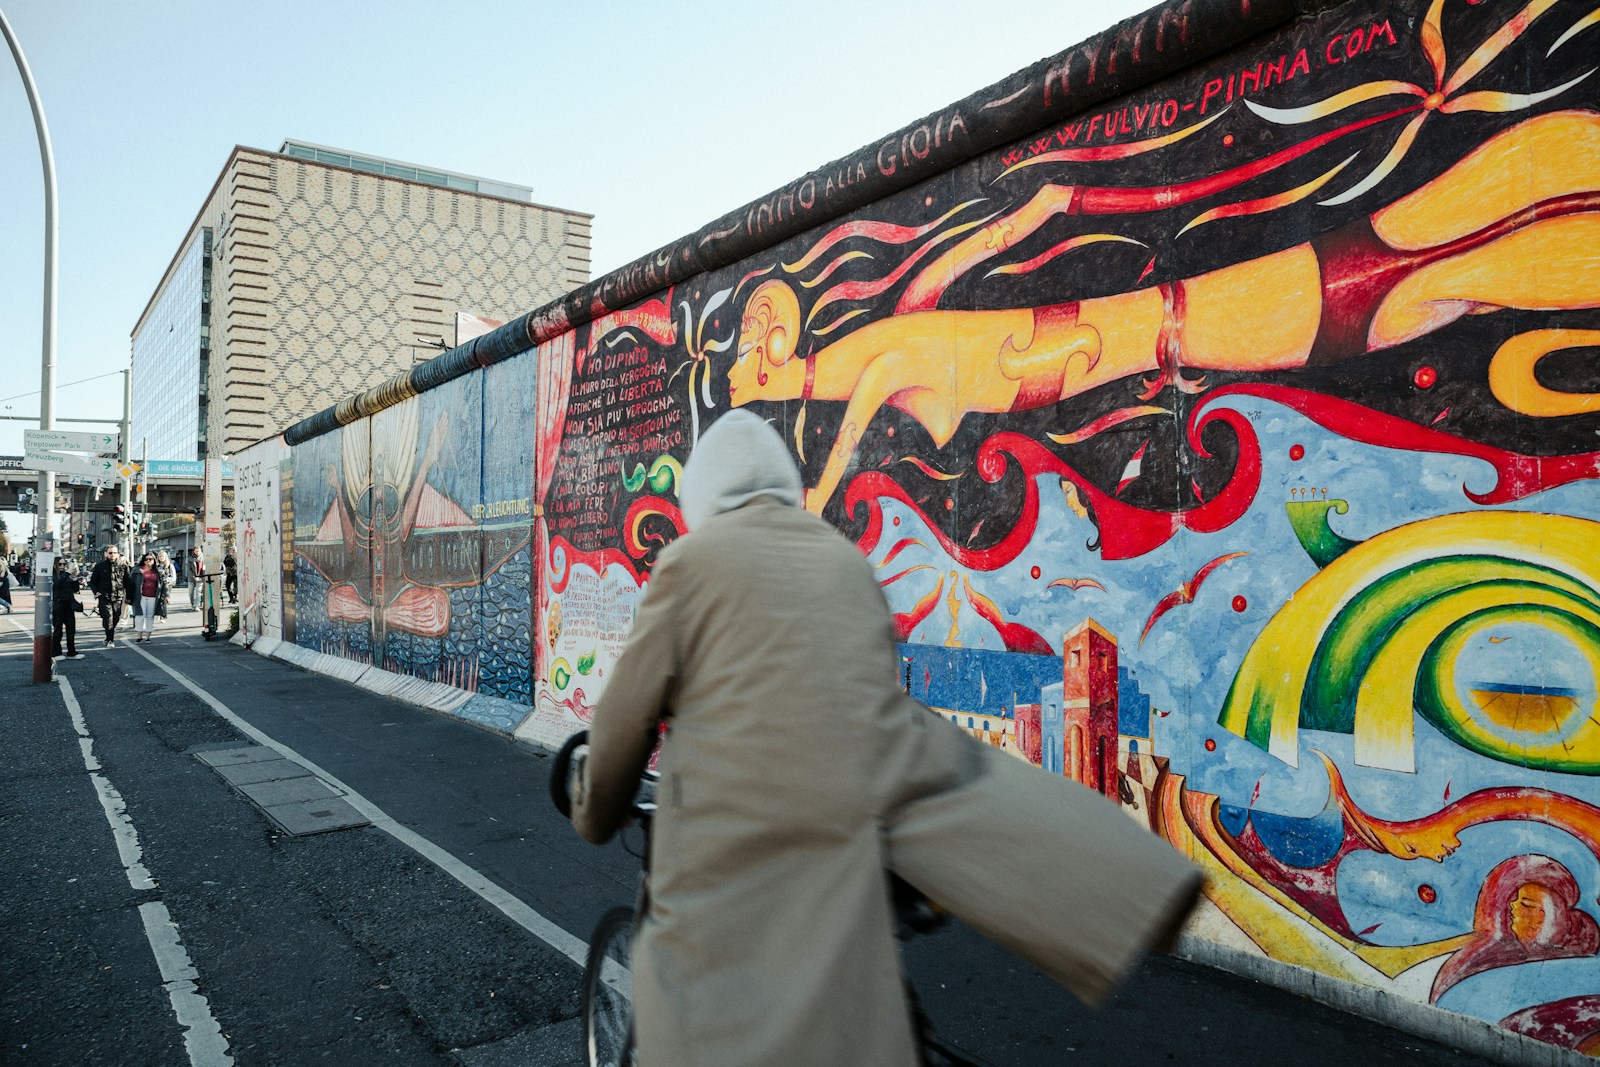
{"x":343,"y":669}
{"x":1463,"y":1032}
{"x":333,"y":666}
{"x":289,"y":653}
{"x":433,"y":695}
{"x":493,"y":713}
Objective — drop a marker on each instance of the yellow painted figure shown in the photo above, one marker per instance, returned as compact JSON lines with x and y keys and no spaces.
{"x":1497,"y":230}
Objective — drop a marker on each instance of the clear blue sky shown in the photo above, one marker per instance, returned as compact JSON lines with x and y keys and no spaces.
{"x":654,"y":117}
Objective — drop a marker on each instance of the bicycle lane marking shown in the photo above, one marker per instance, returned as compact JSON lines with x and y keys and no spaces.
{"x":509,"y":905}
{"x":202,"y":1036}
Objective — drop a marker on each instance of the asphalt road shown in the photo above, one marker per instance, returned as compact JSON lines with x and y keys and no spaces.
{"x":352,"y":947}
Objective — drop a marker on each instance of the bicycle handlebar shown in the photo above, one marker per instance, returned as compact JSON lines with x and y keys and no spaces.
{"x":561,"y":773}
{"x":569,"y":759}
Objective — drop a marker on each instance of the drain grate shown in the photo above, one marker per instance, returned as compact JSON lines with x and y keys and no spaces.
{"x":294,"y":798}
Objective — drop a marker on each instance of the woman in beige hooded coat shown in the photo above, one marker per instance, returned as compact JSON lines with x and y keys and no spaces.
{"x":796,"y":773}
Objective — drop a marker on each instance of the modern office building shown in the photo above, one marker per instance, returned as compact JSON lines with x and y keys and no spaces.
{"x":312,"y":273}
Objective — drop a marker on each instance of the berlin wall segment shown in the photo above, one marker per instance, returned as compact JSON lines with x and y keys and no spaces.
{"x":1229,"y":446}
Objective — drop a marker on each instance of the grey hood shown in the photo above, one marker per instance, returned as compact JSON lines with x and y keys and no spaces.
{"x":738,"y":459}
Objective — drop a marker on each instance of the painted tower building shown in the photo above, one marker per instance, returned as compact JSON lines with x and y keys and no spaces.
{"x":1089,"y":707}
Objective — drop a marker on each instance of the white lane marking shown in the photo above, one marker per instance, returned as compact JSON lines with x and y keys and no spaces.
{"x":512,"y":907}
{"x":122,"y":831}
{"x":202,"y":1037}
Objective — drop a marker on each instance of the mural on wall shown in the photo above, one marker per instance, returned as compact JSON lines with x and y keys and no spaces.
{"x":505,"y":605}
{"x":391,"y":573}
{"x":257,"y":518}
{"x":1230,"y":449}
{"x":609,"y":434}
{"x":331,"y":481}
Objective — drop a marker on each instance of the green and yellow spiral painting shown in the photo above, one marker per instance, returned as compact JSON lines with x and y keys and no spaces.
{"x":1429,"y":611}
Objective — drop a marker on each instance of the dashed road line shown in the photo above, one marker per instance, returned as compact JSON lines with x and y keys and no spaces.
{"x":202,"y":1037}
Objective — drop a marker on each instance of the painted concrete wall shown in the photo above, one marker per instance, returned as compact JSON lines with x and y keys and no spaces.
{"x":1242,"y":432}
{"x":258,"y":536}
{"x":412,"y":528}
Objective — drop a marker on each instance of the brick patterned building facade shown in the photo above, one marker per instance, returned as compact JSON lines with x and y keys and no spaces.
{"x":324,"y":278}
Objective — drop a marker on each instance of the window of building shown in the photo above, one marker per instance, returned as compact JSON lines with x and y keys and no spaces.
{"x":378,"y":166}
{"x":170,"y":360}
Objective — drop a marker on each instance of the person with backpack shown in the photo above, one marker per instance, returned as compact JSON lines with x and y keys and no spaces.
{"x":170,"y":572}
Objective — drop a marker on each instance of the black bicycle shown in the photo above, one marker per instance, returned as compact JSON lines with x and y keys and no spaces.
{"x":606,"y":1000}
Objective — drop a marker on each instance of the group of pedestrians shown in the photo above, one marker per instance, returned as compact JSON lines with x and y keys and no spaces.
{"x":144,"y":589}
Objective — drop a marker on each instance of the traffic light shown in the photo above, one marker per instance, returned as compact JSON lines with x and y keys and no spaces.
{"x":120,"y":521}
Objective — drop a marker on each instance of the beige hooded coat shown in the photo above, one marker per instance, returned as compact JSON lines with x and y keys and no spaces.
{"x":795,"y":772}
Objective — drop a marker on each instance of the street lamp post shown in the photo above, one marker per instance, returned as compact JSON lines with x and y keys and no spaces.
{"x":45,"y":521}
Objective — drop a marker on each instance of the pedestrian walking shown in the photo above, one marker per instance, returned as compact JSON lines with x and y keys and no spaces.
{"x":150,"y":581}
{"x":230,"y":567}
{"x":109,"y":581}
{"x":197,"y":570}
{"x":5,"y":588}
{"x":64,"y":608}
{"x":168,"y":571}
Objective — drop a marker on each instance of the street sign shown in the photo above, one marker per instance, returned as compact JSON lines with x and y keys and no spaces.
{"x":98,"y":483}
{"x":127,"y":470}
{"x":62,"y":463}
{"x":70,"y":440}
{"x":162,"y":469}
